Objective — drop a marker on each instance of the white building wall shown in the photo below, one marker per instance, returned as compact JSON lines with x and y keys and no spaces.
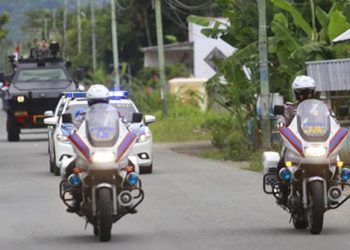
{"x":202,"y":46}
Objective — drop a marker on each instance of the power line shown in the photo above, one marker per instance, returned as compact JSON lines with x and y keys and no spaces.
{"x":189,"y":7}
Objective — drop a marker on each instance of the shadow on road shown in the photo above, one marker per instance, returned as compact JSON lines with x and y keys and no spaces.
{"x":288,"y":230}
{"x":24,"y":140}
{"x":90,"y":238}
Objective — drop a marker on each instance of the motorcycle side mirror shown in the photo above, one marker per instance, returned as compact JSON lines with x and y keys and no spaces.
{"x":137,"y":117}
{"x":343,"y":110}
{"x":278,"y":110}
{"x":67,"y":118}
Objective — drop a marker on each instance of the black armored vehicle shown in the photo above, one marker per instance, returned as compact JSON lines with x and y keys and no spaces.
{"x":36,"y":86}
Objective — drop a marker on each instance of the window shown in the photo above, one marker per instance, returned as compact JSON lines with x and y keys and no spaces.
{"x":35,"y":75}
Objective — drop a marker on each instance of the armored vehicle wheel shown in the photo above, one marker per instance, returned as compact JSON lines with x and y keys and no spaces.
{"x":12,"y":128}
{"x":104,"y":214}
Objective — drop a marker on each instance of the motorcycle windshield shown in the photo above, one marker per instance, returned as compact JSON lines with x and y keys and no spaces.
{"x":102,"y":123}
{"x":313,"y":120}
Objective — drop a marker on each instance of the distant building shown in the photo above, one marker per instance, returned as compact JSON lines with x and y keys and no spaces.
{"x":196,"y":54}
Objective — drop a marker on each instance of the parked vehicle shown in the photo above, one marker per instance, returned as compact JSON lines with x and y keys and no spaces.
{"x":104,"y":171}
{"x":313,"y":175}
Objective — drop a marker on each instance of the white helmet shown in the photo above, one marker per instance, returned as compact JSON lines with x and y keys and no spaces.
{"x":97,"y":93}
{"x":303,"y":87}
{"x":303,"y":82}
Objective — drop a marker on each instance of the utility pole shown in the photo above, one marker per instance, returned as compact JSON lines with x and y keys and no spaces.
{"x":264,"y":81}
{"x":45,"y":31}
{"x":93,"y":34}
{"x":79,"y":26}
{"x":163,"y":89}
{"x":54,"y":22}
{"x":115,"y":48}
{"x":65,"y":28}
{"x":2,"y":56}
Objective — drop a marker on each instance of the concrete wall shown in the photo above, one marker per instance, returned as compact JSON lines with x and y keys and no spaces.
{"x":179,"y":87}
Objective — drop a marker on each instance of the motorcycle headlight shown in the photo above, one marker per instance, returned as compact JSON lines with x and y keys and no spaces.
{"x":102,"y":156}
{"x":315,"y":151}
{"x":62,"y":138}
{"x":144,"y":137}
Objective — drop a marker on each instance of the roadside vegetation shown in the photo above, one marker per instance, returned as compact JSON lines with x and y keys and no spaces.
{"x":298,"y":31}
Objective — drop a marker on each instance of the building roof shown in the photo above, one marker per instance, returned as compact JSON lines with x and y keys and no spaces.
{"x":342,"y":37}
{"x":173,"y":46}
{"x":330,"y":75}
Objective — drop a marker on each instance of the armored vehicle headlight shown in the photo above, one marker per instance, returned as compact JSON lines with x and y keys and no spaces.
{"x":315,"y":151}
{"x":103,"y":156}
{"x":20,"y":98}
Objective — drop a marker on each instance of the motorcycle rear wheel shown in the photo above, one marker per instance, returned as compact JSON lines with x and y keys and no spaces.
{"x":104,"y":217}
{"x":316,"y":211}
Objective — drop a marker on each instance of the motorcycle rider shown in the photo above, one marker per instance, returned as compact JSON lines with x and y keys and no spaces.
{"x":303,"y":88}
{"x":97,"y":93}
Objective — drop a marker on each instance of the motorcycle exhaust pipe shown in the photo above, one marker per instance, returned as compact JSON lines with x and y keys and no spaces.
{"x":334,"y":194}
{"x":125,"y":198}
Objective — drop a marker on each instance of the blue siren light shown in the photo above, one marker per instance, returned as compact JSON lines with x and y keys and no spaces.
{"x":285,"y":174}
{"x":133,"y":178}
{"x":74,"y":94}
{"x":117,"y":95}
{"x":74,"y":179}
{"x":345,"y":174}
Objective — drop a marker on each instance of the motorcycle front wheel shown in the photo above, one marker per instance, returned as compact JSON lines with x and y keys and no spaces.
{"x":316,"y":211}
{"x":299,"y":223}
{"x":104,"y":214}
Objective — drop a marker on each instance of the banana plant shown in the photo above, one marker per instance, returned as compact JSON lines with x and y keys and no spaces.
{"x":292,"y":41}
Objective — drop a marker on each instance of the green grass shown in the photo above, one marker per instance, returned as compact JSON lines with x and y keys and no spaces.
{"x":255,"y":161}
{"x":184,"y":123}
{"x":188,"y":123}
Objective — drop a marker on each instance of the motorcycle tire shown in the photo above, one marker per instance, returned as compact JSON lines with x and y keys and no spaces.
{"x":104,"y":214}
{"x":316,"y":211}
{"x":96,"y":231}
{"x":299,"y":223}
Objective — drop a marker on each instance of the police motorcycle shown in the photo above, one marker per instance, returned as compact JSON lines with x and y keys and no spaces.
{"x":105,"y":172}
{"x":313,"y":175}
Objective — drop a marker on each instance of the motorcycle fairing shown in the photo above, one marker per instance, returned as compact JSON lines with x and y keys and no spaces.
{"x":337,"y":139}
{"x":125,"y":144}
{"x":79,"y":143}
{"x":292,"y":139}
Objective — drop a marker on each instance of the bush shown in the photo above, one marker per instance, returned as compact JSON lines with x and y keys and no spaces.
{"x":183,"y":123}
{"x":227,"y":136}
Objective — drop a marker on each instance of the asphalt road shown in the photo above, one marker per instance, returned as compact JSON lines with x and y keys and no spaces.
{"x":190,"y":203}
